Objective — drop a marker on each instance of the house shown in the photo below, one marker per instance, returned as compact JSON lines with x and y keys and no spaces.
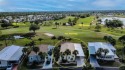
{"x":10,"y":55}
{"x":94,"y":46}
{"x":79,"y":58}
{"x":35,"y":57}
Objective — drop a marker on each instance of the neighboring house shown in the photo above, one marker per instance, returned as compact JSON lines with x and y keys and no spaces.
{"x":94,"y":46}
{"x":10,"y":56}
{"x":35,"y":57}
{"x":73,"y":46}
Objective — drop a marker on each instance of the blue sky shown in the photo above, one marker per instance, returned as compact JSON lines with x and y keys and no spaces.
{"x":60,"y":5}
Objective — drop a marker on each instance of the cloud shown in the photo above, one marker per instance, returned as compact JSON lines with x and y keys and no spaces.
{"x":107,"y":3}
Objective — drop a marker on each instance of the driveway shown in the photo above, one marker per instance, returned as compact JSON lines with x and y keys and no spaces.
{"x":93,"y":61}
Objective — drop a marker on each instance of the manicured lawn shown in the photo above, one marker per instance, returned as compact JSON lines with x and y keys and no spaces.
{"x":83,"y":33}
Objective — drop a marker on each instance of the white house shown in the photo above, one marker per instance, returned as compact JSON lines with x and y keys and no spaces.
{"x":35,"y":57}
{"x":74,"y":46}
{"x":10,"y":55}
{"x":94,"y":46}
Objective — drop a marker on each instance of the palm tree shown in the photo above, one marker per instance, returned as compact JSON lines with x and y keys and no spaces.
{"x":88,"y":67}
{"x":75,"y":52}
{"x":42,"y":55}
{"x":82,"y":24}
{"x":99,"y":52}
{"x":57,"y":24}
{"x":24,"y":50}
{"x":36,"y":49}
{"x":106,"y":51}
{"x":67,"y":52}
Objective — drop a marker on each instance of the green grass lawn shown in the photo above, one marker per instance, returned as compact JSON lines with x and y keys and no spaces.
{"x":83,"y":33}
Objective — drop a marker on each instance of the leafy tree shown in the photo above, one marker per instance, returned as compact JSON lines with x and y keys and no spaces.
{"x":5,"y":24}
{"x":122,"y":68}
{"x":110,"y":40}
{"x":53,"y":38}
{"x":40,"y":39}
{"x":34,"y":27}
{"x":98,"y":28}
{"x":113,"y":23}
{"x":122,"y":40}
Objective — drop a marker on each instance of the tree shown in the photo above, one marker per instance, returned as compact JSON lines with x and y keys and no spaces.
{"x":99,"y":52}
{"x":24,"y":50}
{"x":34,"y":27}
{"x":110,"y":40}
{"x":41,"y":55}
{"x":122,"y":68}
{"x":88,"y":67}
{"x":53,"y":38}
{"x":113,"y":23}
{"x":36,"y":49}
{"x":105,"y":52}
{"x":5,"y":23}
{"x":57,"y":24}
{"x":98,"y":28}
{"x":5,"y":38}
{"x":40,"y":39}
{"x":82,"y":24}
{"x":67,"y":52}
{"x":122,"y":40}
{"x":75,"y":52}
{"x":37,"y":22}
{"x":105,"y":38}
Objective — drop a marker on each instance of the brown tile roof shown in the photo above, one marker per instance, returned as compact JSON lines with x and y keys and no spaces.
{"x":42,"y":48}
{"x":65,"y":46}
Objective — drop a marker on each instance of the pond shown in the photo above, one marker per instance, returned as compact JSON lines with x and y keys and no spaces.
{"x":18,"y":37}
{"x":111,"y":18}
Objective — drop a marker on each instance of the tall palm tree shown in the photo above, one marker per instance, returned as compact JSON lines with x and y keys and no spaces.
{"x":75,"y":52}
{"x":67,"y":52}
{"x":106,"y":51}
{"x":82,"y":24}
{"x":99,"y":52}
{"x":25,"y":50}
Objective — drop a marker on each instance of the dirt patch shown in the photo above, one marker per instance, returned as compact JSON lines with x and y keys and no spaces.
{"x":49,"y":34}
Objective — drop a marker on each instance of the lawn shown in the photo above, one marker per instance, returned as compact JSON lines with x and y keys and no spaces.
{"x":84,"y":33}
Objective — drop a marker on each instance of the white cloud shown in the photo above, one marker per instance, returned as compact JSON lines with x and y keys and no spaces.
{"x":107,"y":3}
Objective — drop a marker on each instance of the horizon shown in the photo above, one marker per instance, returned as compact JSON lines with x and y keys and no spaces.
{"x":61,"y":5}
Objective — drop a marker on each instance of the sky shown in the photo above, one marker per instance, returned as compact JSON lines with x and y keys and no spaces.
{"x":60,"y":5}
